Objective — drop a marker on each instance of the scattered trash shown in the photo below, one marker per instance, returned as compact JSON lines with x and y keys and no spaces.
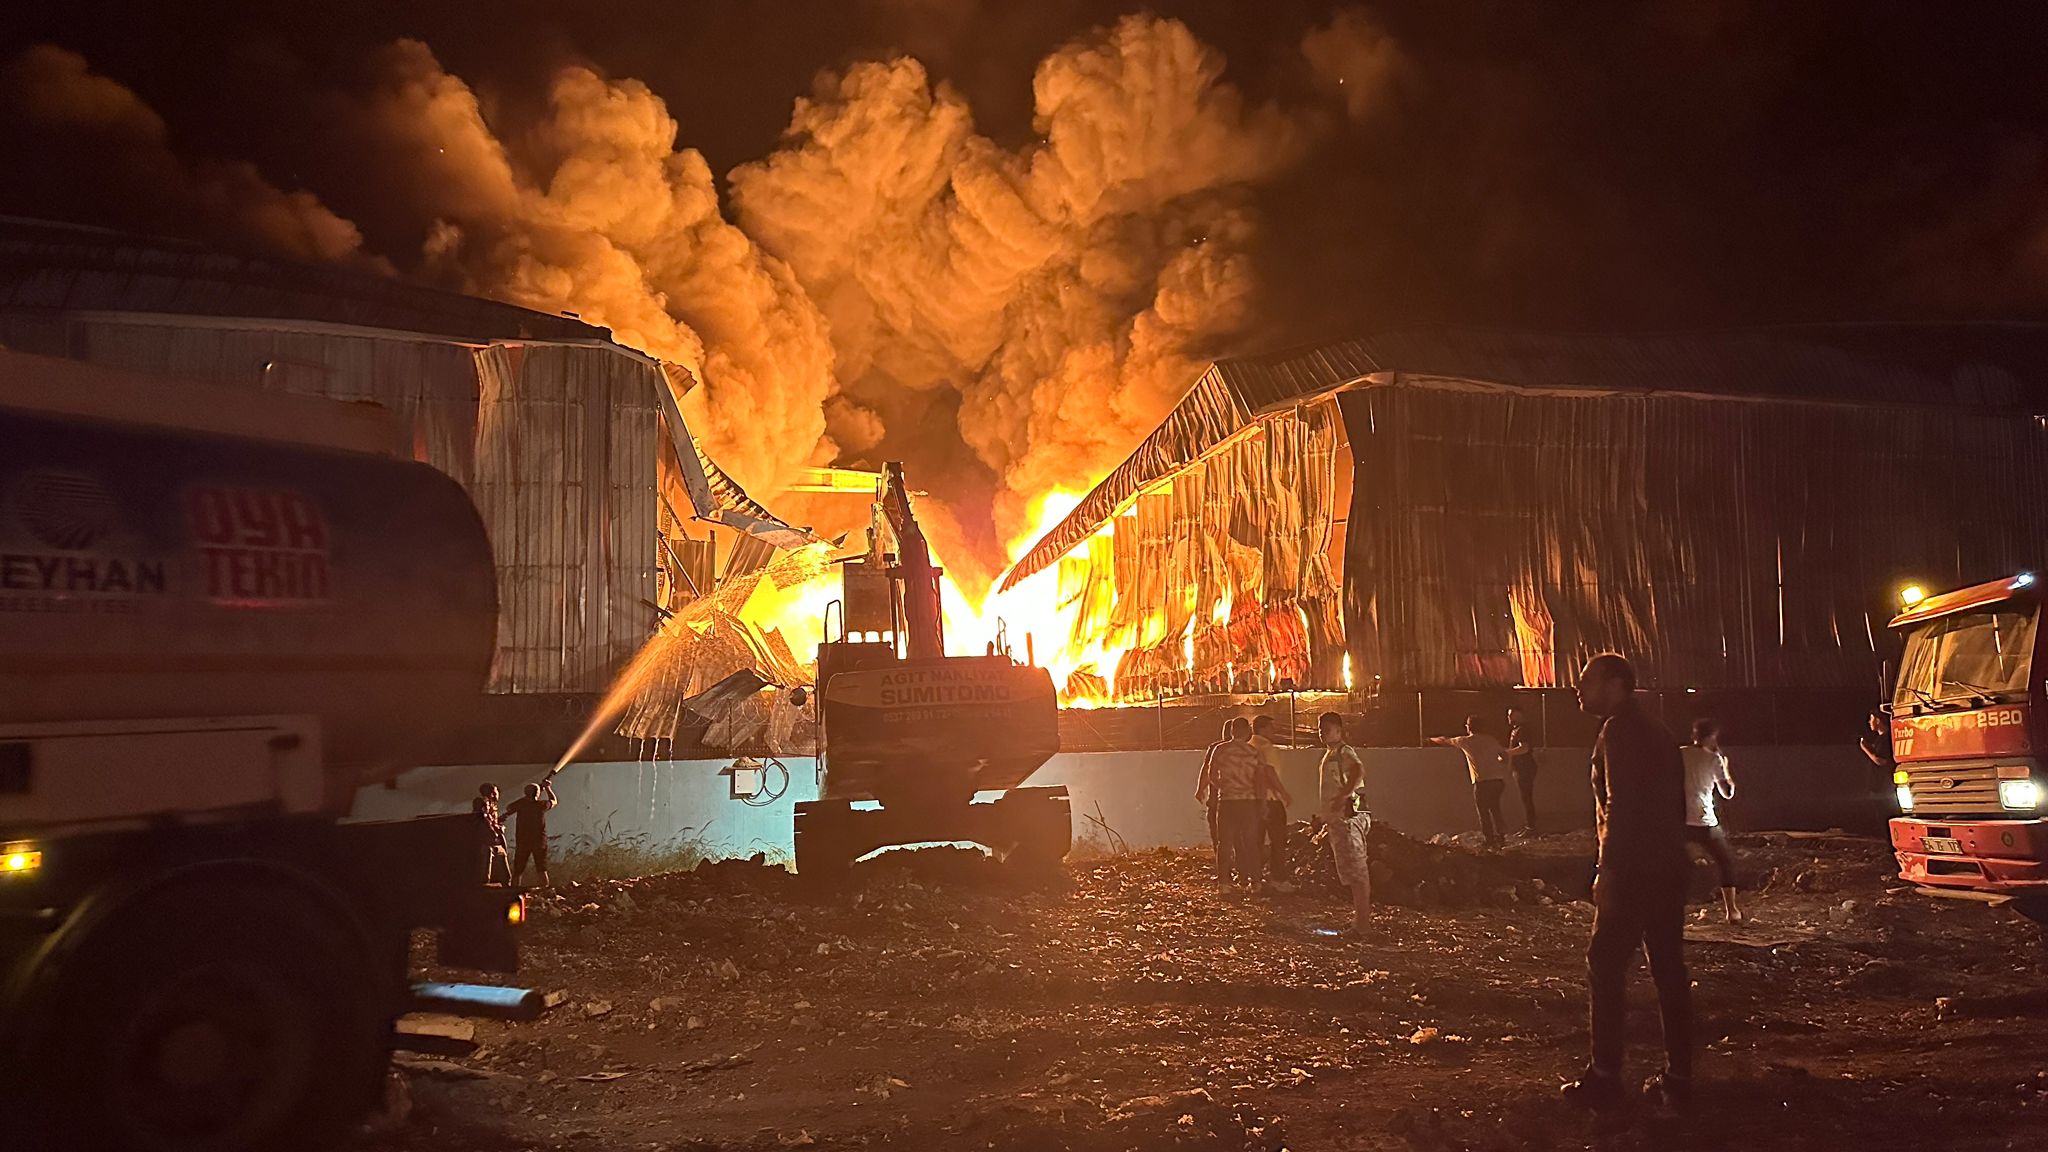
{"x":714,"y":1064}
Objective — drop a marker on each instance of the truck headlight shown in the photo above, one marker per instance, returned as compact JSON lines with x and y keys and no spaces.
{"x":19,"y":857}
{"x":2020,"y":794}
{"x":1905,"y":798}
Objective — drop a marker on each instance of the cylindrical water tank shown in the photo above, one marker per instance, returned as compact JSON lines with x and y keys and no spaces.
{"x":157,"y":573}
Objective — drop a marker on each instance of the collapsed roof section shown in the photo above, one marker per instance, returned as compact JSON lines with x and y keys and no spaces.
{"x":1986,"y":367}
{"x":715,"y":497}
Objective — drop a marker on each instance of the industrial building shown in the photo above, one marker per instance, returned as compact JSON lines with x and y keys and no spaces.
{"x":1427,"y":517}
{"x":598,"y":504}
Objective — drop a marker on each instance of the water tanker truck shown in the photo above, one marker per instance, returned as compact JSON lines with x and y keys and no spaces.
{"x":221,"y":614}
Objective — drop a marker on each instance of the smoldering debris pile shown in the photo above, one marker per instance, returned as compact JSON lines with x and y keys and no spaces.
{"x":1423,"y":874}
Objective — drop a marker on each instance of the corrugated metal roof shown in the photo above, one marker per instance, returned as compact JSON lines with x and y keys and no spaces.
{"x":70,"y":268}
{"x":1988,"y":366}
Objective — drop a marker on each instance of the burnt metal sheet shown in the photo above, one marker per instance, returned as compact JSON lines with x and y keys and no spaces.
{"x":1209,"y":414}
{"x":1499,"y":537}
{"x":1999,"y":367}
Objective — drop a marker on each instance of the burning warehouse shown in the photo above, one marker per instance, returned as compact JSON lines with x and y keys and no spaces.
{"x":1433,"y":511}
{"x":604,"y":516}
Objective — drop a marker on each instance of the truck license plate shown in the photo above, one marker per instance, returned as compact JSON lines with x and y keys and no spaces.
{"x":1943,"y":846}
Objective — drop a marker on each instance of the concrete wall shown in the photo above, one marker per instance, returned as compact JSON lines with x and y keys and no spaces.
{"x":1145,"y":798}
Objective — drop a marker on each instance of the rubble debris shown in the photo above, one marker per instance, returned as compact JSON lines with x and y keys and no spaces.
{"x":437,"y":1026}
{"x":1071,"y":1019}
{"x":714,"y":1064}
{"x":1437,"y":873}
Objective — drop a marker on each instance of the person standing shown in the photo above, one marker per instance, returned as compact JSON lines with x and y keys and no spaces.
{"x":1876,"y":743}
{"x":1706,"y":781}
{"x":1638,"y":781}
{"x":1522,"y":758}
{"x":1264,"y":728}
{"x":1487,"y":761}
{"x":529,"y":816}
{"x":1211,"y":798}
{"x":1238,"y":782}
{"x":1341,"y":804}
{"x":499,"y":869}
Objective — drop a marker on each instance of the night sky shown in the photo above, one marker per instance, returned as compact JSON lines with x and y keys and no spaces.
{"x":1539,"y":164}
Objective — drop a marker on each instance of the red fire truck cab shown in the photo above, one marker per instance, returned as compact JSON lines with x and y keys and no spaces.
{"x":1967,"y":719}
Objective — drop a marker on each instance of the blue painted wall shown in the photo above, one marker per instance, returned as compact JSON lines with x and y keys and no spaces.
{"x":1145,"y":798}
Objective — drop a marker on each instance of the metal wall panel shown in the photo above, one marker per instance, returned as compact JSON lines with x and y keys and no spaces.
{"x":2002,"y":367}
{"x":1499,"y":537}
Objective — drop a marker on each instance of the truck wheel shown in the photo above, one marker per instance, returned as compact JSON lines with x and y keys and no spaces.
{"x":2034,"y":908}
{"x":240,"y":1018}
{"x":1041,"y":820}
{"x":824,"y":855}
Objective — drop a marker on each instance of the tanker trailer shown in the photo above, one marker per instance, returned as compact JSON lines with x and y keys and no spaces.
{"x":910,"y":735}
{"x":223,"y":613}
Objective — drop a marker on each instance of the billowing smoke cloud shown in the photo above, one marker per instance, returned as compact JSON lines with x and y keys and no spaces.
{"x":52,"y":96}
{"x":597,"y":212}
{"x":892,"y":282}
{"x":1066,"y":290}
{"x":1355,"y":59}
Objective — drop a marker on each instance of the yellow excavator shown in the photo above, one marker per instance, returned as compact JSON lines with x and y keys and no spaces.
{"x":913,"y":740}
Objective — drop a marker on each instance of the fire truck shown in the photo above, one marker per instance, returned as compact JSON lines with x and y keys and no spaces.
{"x":1967,"y":719}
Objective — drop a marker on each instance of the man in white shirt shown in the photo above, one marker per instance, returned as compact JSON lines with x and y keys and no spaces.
{"x":1706,"y":781}
{"x":1487,"y":760}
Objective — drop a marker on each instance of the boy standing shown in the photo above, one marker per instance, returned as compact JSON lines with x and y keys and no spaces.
{"x":1488,"y":763}
{"x":1706,"y":781}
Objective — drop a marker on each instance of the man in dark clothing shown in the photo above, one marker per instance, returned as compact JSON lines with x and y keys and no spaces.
{"x":1522,"y":758}
{"x":529,"y":816}
{"x":499,"y":869}
{"x":1274,"y":827}
{"x":1876,"y":743}
{"x":1639,"y":893}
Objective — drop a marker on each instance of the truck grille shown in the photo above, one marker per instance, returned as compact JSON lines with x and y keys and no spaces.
{"x":1969,"y":787}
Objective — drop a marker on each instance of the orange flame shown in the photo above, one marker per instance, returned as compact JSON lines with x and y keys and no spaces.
{"x":1029,"y":617}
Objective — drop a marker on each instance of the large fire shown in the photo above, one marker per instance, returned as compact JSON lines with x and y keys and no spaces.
{"x":1029,"y":619}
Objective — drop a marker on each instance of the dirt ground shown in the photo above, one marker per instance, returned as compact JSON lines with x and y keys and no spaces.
{"x":939,"y":1002}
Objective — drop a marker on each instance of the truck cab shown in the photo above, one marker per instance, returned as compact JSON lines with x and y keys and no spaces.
{"x":1967,"y":716}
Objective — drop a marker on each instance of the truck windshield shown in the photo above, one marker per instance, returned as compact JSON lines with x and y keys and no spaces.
{"x":1971,"y":656}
